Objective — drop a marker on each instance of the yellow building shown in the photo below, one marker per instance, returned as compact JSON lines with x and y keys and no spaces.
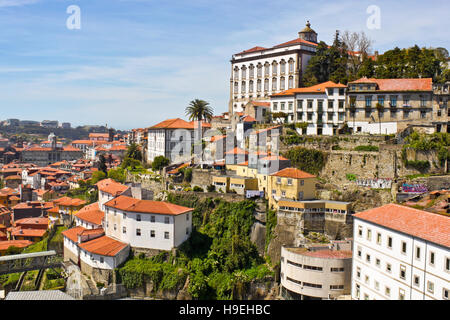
{"x":291,"y":183}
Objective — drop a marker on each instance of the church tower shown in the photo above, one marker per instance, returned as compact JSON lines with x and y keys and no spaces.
{"x":308,"y":34}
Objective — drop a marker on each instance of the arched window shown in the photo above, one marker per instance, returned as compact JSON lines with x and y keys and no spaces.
{"x":244,"y":72}
{"x":236,"y":85}
{"x":291,"y":82}
{"x":258,"y":85}
{"x":274,"y":84}
{"x":236,"y":73}
{"x":282,"y":66}
{"x":282,"y":83}
{"x":266,"y":84}
{"x":259,"y":70}
{"x":274,"y":68}
{"x":243,"y":89}
{"x":291,"y":65}
{"x":251,"y":70}
{"x":250,"y":86}
{"x":266,"y":68}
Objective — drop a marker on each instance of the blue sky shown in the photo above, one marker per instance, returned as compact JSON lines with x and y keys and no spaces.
{"x":134,"y":63}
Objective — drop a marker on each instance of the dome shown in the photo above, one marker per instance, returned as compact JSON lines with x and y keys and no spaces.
{"x":307,"y":28}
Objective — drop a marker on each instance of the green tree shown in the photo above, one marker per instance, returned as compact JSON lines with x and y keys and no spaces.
{"x":117,"y":174}
{"x":159,"y":163}
{"x":97,"y":176}
{"x":134,"y":152}
{"x":102,"y":164}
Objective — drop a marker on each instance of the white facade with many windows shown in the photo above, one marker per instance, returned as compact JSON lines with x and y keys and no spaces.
{"x":392,"y":265}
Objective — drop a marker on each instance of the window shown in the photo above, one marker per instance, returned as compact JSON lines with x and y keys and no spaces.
{"x":138,"y":232}
{"x":152,"y":218}
{"x":377,"y":262}
{"x":416,"y":280}
{"x":291,"y":83}
{"x":290,"y":105}
{"x":152,"y":233}
{"x":258,"y":85}
{"x":124,"y":229}
{"x":282,"y":66}
{"x":401,"y":294}
{"x":187,"y":217}
{"x":377,"y":285}
{"x":368,"y":101}
{"x":358,"y":272}
{"x":387,"y":291}
{"x":381,"y":100}
{"x":291,"y":66}
{"x":388,"y":267}
{"x":236,"y":85}
{"x":357,"y":290}
{"x":341,"y":104}
{"x":402,"y":272}
{"x":306,"y":267}
{"x":366,"y":279}
{"x":102,"y":260}
{"x":337,"y":269}
{"x":266,"y":69}
{"x":360,"y":231}
{"x":275,"y":106}
{"x":282,"y":83}
{"x":166,"y":220}
{"x":274,"y":84}
{"x":289,"y":182}
{"x":418,"y":253}
{"x":259,"y":70}
{"x":359,"y":252}
{"x":378,"y":238}
{"x":138,"y":217}
{"x":447,"y":264}
{"x":430,"y":287}
{"x":389,"y":244}
{"x":369,"y":234}
{"x":166,"y":235}
{"x":330,"y":104}
{"x":445,"y":294}
{"x":282,"y":104}
{"x":278,"y":180}
{"x":266,"y":84}
{"x":337,"y":287}
{"x":187,"y":230}
{"x":293,"y":263}
{"x":368,"y":257}
{"x":330,"y":91}
{"x":115,"y":227}
{"x":299,"y":104}
{"x":432,"y":258}
{"x":243,"y":89}
{"x":393,"y":101}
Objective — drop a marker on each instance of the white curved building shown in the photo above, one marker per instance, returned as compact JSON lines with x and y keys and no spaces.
{"x":317,"y":271}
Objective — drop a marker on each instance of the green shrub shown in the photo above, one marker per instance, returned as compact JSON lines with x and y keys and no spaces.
{"x":197,"y":189}
{"x":309,"y":160}
{"x":418,"y":164}
{"x":211,"y":188}
{"x":350,"y":176}
{"x":367,"y":148}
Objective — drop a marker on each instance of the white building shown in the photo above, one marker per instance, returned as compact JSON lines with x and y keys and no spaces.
{"x":401,"y":253}
{"x":147,"y":224}
{"x":321,"y":106}
{"x":107,"y":190}
{"x":318,"y":271}
{"x":260,"y":72}
{"x":90,"y":216}
{"x":173,"y":139}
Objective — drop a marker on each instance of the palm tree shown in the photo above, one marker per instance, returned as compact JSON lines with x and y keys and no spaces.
{"x":199,"y":110}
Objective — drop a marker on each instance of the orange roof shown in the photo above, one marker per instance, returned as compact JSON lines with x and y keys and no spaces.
{"x":4,"y":245}
{"x":249,"y":119}
{"x":110,"y":186}
{"x":28,"y":232}
{"x":73,"y":233}
{"x":243,"y":164}
{"x":273,"y":158}
{"x":318,"y":88}
{"x":236,"y":150}
{"x":418,"y":223}
{"x":176,"y":123}
{"x":217,"y":138}
{"x":294,"y":42}
{"x":254,"y":49}
{"x":34,"y":221}
{"x":91,"y":213}
{"x":104,"y":246}
{"x":69,"y":202}
{"x":293,"y":173}
{"x":416,"y":84}
{"x":266,"y":129}
{"x":184,"y":165}
{"x":129,"y":204}
{"x":260,"y":104}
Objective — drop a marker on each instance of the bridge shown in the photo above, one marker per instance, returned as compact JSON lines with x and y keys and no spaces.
{"x":29,"y":261}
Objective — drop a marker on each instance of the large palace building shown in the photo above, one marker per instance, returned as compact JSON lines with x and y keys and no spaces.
{"x":259,"y":72}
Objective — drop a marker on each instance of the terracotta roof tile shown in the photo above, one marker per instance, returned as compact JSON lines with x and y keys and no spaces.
{"x":422,"y":84}
{"x":104,"y":246}
{"x":146,"y":206}
{"x":421,"y":224}
{"x":293,"y":173}
{"x":110,"y":186}
{"x":91,"y":214}
{"x":318,"y":88}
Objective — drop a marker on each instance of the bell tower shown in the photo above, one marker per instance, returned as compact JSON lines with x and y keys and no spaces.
{"x":308,"y":34}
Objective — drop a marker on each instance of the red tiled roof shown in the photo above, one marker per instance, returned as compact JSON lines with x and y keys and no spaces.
{"x":184,"y":165}
{"x":129,"y":204}
{"x":249,"y":119}
{"x":272,"y":158}
{"x":318,"y":88}
{"x":73,"y":233}
{"x":293,"y":173}
{"x":23,"y":232}
{"x":327,"y":254}
{"x":110,"y":186}
{"x":254,"y":49}
{"x":418,"y":223}
{"x":33,"y":221}
{"x":104,"y":246}
{"x":4,"y":245}
{"x":236,"y":150}
{"x":91,"y":213}
{"x":296,"y":41}
{"x":418,"y":84}
{"x":260,"y":104}
{"x":176,"y":123}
